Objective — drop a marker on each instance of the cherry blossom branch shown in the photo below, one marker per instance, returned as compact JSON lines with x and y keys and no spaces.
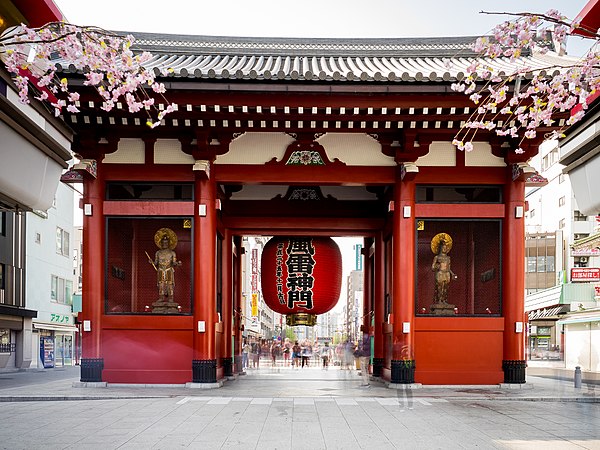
{"x":542,"y":97}
{"x":35,"y":57}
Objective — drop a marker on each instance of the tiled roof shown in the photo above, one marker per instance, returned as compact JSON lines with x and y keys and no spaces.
{"x":323,"y":60}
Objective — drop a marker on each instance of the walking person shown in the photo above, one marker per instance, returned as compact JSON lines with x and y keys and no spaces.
{"x":245,"y":352}
{"x":326,"y":355}
{"x":287,"y":353}
{"x":364,"y":356}
{"x":296,"y":349}
{"x":256,"y":351}
{"x":306,"y":353}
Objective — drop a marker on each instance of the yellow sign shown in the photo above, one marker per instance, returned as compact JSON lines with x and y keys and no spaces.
{"x":254,"y":305}
{"x":420,"y":225}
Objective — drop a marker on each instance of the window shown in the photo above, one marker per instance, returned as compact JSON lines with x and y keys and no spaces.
{"x":561,"y":224}
{"x":62,"y":242}
{"x":561,"y":178}
{"x":532,"y":213}
{"x":531,"y":264}
{"x":2,"y":223}
{"x":578,"y":216}
{"x":61,"y":290}
{"x":2,"y":276}
{"x":550,"y":158}
{"x":38,"y":238}
{"x":561,"y":201}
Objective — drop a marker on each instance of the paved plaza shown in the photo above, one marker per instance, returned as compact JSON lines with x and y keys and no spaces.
{"x":281,"y":408}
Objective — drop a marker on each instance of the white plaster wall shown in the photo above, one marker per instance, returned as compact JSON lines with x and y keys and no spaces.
{"x":129,"y":151}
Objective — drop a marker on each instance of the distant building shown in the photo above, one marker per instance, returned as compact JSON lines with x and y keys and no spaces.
{"x":51,"y":281}
{"x":34,"y":149}
{"x":557,"y":276}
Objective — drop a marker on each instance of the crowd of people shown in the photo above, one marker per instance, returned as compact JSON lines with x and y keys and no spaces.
{"x":304,"y":353}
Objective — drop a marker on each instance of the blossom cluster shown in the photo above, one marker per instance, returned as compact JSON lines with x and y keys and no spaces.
{"x":519,"y":103}
{"x":35,"y":56}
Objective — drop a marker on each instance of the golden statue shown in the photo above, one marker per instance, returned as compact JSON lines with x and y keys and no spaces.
{"x":441,"y":244}
{"x":165,"y":261}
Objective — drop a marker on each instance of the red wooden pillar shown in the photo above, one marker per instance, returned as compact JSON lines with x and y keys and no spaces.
{"x":367,"y":280}
{"x":204,"y":364}
{"x":513,"y":281}
{"x":92,"y":362}
{"x":227,"y":274}
{"x":237,"y":303}
{"x":379,"y":299}
{"x":403,"y":278}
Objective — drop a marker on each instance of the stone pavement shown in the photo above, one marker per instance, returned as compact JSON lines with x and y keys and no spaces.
{"x":281,"y":408}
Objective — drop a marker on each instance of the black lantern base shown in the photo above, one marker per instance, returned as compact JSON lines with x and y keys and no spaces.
{"x":377,"y":366}
{"x":91,"y":370}
{"x":403,"y":371}
{"x":514,"y":371}
{"x":204,"y":371}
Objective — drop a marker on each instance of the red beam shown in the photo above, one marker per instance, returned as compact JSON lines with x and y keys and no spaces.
{"x":129,"y":208}
{"x":475,"y":210}
{"x":278,"y":226}
{"x":303,"y":175}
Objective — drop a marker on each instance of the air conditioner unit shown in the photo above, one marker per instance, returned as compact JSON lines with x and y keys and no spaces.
{"x":583,"y":259}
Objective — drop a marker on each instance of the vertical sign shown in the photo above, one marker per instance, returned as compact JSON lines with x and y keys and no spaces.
{"x":254,"y":305}
{"x":358,"y":256}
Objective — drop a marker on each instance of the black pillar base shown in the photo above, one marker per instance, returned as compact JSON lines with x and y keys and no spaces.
{"x":204,"y":371}
{"x":237,"y":362}
{"x":228,"y":367}
{"x":514,"y":371}
{"x":377,"y":366}
{"x":91,"y":369}
{"x":403,"y":371}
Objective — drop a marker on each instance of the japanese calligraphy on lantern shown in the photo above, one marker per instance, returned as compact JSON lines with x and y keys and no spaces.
{"x":301,"y":275}
{"x":300,"y":281}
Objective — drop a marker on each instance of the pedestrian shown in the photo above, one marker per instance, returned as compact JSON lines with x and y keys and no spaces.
{"x":296,"y":349}
{"x":364,"y":356}
{"x":256,"y":351}
{"x":306,"y":353}
{"x":245,"y":351}
{"x":274,"y":353}
{"x":326,"y":355}
{"x":287,"y":352}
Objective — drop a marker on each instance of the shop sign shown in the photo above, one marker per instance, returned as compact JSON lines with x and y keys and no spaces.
{"x":597,"y":290}
{"x":59,"y":318}
{"x":585,"y":274}
{"x":587,"y":251}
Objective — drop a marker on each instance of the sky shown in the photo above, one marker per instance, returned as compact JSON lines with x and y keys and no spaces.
{"x":306,"y":18}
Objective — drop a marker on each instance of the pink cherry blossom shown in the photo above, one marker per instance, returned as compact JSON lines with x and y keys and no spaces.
{"x":105,"y":59}
{"x":537,"y":96}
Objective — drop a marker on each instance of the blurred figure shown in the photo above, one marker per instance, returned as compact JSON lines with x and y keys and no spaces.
{"x":256,"y":351}
{"x":326,"y":355}
{"x":296,"y":349}
{"x":306,"y":353}
{"x":348,"y":355}
{"x":245,"y":351}
{"x":287,"y":352}
{"x":364,"y":356}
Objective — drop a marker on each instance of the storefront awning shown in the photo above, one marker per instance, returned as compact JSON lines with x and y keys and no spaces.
{"x":546,"y":313}
{"x":55,"y":327}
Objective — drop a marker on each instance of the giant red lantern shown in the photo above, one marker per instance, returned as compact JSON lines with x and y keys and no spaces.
{"x":301,"y":277}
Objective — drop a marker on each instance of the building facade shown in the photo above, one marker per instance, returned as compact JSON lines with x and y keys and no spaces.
{"x":35,"y":148}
